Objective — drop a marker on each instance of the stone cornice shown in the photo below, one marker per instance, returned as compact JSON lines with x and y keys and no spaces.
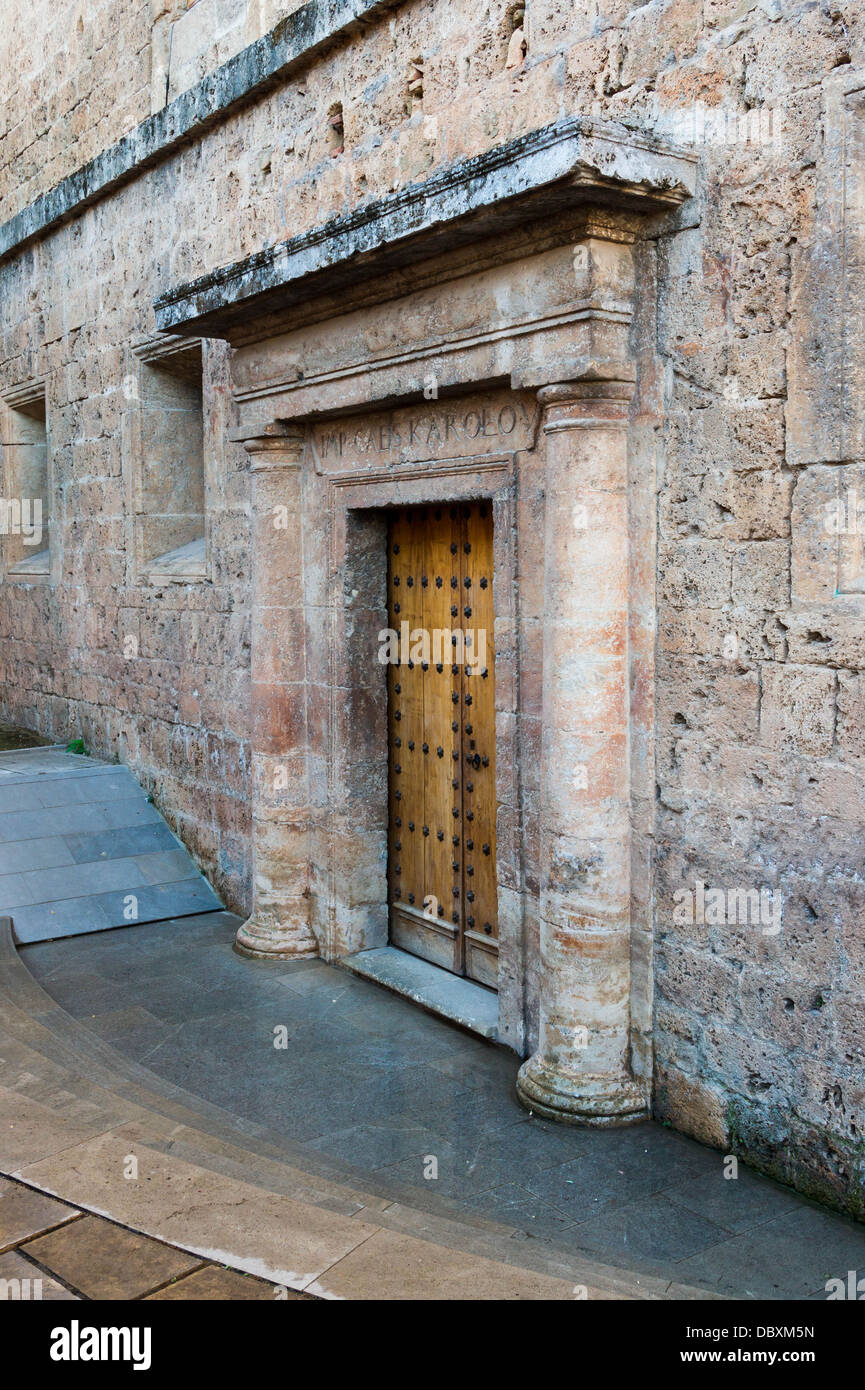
{"x":572,"y":162}
{"x":24,"y":394}
{"x":246,"y":77}
{"x":162,"y":346}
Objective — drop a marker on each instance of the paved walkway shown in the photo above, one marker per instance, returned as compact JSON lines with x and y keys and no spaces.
{"x":83,"y":849}
{"x":356,"y":1087}
{"x":85,"y":1124}
{"x":51,"y":1252}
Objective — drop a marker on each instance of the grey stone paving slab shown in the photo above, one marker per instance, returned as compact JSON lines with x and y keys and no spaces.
{"x":377,"y":1145}
{"x":316,"y":978}
{"x":82,"y":993}
{"x":515,"y":1206}
{"x":157,"y":902}
{"x":479,"y":1159}
{"x":251,"y":1099}
{"x":82,"y":790}
{"x":163,"y":866}
{"x":68,"y":820}
{"x":169,"y":997}
{"x":118,"y":844}
{"x":472,"y":1114}
{"x":483,"y":1068}
{"x":149,"y":952}
{"x":46,"y":757}
{"x":14,"y":891}
{"x":19,"y":796}
{"x":21,"y":855}
{"x":391,"y":1052}
{"x":118,"y":1024}
{"x":524,"y":1150}
{"x":73,"y":765}
{"x":458,"y":1176}
{"x":93,"y":853}
{"x":63,"y":918}
{"x":382,"y":1016}
{"x":82,"y":880}
{"x":652,"y":1229}
{"x":790,"y":1257}
{"x":51,"y":763}
{"x":620,"y":1166}
{"x":415,"y":1092}
{"x":78,"y":916}
{"x":737,"y":1204}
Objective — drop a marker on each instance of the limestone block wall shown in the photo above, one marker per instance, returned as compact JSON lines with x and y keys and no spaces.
{"x":760,"y":752}
{"x":77,"y":75}
{"x":74,"y":75}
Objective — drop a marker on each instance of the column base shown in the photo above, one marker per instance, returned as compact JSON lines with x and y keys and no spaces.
{"x":272,"y":941}
{"x":598,"y":1102}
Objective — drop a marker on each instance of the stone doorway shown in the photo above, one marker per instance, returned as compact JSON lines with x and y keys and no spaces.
{"x":441,"y":737}
{"x":515,"y":363}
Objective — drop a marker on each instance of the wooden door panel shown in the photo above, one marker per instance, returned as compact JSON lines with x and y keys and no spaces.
{"x":441,"y":734}
{"x":405,"y":714}
{"x":479,"y":748}
{"x":441,"y":769}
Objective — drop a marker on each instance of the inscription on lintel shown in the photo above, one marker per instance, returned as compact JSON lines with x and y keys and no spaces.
{"x":441,"y":430}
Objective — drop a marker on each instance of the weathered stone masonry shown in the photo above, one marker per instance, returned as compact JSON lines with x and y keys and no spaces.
{"x":736,"y":428}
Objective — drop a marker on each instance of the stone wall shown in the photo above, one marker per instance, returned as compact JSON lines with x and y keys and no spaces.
{"x":77,"y":75}
{"x":759,"y":707}
{"x":74,"y":75}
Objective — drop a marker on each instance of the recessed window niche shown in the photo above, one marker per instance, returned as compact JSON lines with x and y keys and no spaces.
{"x":25,"y":505}
{"x":169,"y":487}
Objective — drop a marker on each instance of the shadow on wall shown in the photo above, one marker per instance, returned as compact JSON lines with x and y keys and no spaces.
{"x":12,"y":737}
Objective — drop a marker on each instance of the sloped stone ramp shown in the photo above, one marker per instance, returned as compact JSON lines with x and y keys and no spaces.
{"x":73,"y":1110}
{"x":82,"y":849}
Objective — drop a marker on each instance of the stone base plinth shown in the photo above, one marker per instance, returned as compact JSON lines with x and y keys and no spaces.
{"x":275,"y":941}
{"x":596,"y":1101}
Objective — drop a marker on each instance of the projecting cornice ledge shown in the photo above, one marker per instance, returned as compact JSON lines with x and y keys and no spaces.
{"x":539,"y":175}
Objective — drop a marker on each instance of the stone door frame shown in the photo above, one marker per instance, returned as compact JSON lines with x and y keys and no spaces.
{"x":312,"y":860}
{"x":539,"y":237}
{"x":489,"y":478}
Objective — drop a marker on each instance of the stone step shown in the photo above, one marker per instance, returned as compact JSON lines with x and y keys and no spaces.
{"x":465,"y":1003}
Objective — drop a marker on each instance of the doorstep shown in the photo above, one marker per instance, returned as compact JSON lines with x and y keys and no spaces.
{"x":460,"y":1000}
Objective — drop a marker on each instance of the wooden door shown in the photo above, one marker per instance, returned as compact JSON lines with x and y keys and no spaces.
{"x":441,"y":738}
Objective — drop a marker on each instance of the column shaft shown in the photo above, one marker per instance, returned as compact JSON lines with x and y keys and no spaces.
{"x":279,"y":927}
{"x":580,"y":1073}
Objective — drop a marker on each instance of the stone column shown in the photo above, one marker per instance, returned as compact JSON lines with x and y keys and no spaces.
{"x":279,"y":928}
{"x":580,"y":1072}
